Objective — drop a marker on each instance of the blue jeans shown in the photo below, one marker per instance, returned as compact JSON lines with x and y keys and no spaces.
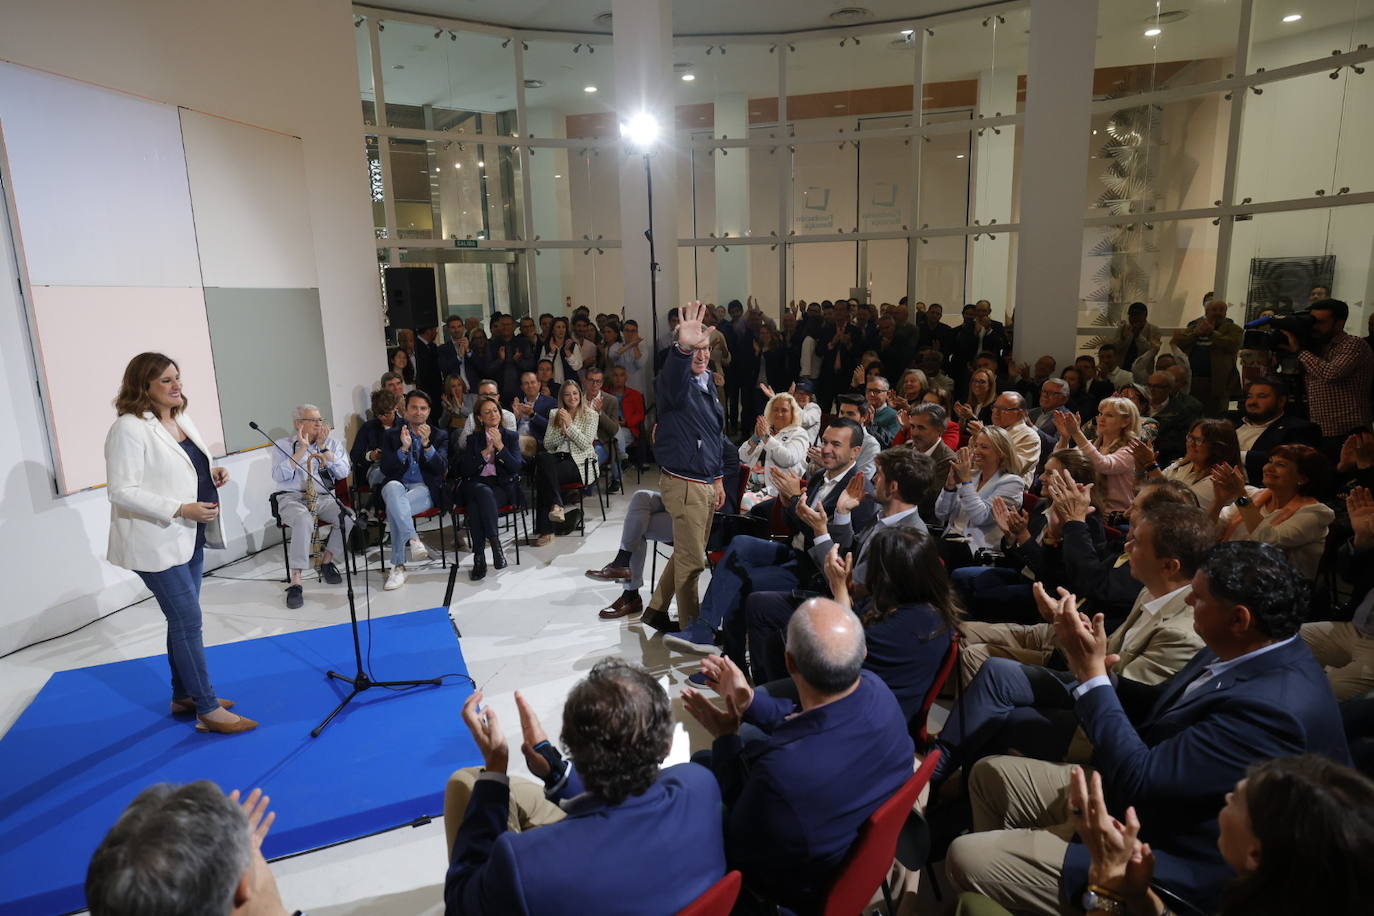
{"x":177,"y":591}
{"x":749,"y":565}
{"x":402,"y":502}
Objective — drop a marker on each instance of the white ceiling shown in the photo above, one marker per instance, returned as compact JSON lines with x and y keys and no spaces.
{"x":474,"y":72}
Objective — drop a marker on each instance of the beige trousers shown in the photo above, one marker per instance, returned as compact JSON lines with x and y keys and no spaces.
{"x":1345,"y":653}
{"x":1021,"y":823}
{"x":1030,"y":645}
{"x":528,"y":806}
{"x":691,"y":506}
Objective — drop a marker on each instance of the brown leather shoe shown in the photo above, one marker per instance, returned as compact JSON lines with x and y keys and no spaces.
{"x":628,"y":603}
{"x":609,"y":573}
{"x":186,"y":707}
{"x":241,"y":724}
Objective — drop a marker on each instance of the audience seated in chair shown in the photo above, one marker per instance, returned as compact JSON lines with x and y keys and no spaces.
{"x":518,"y":847}
{"x":185,"y":849}
{"x":567,"y":458}
{"x":366,"y":454}
{"x":486,"y":388}
{"x":1172,"y":750}
{"x":414,"y":463}
{"x":531,"y":409}
{"x":311,"y":451}
{"x":796,"y":797}
{"x":489,"y":464}
{"x":1285,"y":513}
{"x":983,"y":472}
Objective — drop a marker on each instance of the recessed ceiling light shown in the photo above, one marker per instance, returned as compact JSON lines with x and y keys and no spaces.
{"x":958,"y":155}
{"x":558,"y":176}
{"x":588,"y":88}
{"x":688,"y":77}
{"x":482,"y":165}
{"x":1151,"y":33}
{"x":457,"y":165}
{"x":1292,"y":17}
{"x":436,"y":171}
{"x":908,"y":31}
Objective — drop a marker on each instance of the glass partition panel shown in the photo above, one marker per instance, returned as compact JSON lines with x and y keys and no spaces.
{"x":451,"y":189}
{"x":437,"y":79}
{"x":1168,"y":265}
{"x":725,"y":93}
{"x":1145,"y":158}
{"x":885,"y":273}
{"x":1283,"y":32}
{"x":832,"y":84}
{"x":885,"y":178}
{"x":362,"y":47}
{"x":1143,"y":46}
{"x":376,"y":190}
{"x":946,"y":163}
{"x":821,"y":270}
{"x":941,"y":268}
{"x":824,"y":185}
{"x":1306,"y":137}
{"x":979,"y":63}
{"x":569,"y":89}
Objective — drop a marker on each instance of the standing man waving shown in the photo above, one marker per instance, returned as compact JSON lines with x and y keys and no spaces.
{"x":687,"y":443}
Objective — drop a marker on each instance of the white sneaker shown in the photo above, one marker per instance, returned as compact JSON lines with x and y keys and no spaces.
{"x":418,"y":550}
{"x":396,"y":578}
{"x":556,"y":514}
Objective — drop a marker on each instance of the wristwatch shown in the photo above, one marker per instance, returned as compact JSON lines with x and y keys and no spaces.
{"x":1096,"y":899}
{"x":1242,"y":501}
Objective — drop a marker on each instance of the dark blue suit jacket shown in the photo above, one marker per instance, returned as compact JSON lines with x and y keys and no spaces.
{"x":1174,"y":757}
{"x":447,"y":355}
{"x":539,"y":423}
{"x":906,"y":650}
{"x":595,"y":860}
{"x":509,"y":461}
{"x":796,"y":801}
{"x":690,"y":421}
{"x":434,"y":467}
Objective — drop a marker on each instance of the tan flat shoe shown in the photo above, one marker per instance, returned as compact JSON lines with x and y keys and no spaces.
{"x":186,"y":707}
{"x":240,"y":724}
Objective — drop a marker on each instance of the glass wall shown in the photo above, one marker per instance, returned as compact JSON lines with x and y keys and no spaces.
{"x":802,"y":166}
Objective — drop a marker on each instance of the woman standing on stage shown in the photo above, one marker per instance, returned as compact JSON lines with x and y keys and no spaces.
{"x":163,"y":511}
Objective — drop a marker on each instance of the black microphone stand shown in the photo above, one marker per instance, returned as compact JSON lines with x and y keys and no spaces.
{"x":360,"y":679}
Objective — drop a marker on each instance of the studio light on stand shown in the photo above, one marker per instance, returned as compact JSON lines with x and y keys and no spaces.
{"x":641,"y":132}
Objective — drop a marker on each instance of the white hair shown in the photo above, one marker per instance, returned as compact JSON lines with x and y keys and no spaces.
{"x":297,"y":414}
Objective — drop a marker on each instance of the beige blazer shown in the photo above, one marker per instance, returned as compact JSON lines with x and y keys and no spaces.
{"x":148,"y":478}
{"x":1158,"y":650}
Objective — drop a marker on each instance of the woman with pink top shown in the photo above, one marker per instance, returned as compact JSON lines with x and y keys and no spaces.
{"x":1118,"y":425}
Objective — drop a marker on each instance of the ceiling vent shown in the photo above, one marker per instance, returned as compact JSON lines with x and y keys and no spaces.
{"x":849,"y":15}
{"x":1166,"y":17}
{"x":534,"y":84}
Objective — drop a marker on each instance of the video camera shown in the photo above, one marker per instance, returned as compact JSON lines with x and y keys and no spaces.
{"x":1267,"y":333}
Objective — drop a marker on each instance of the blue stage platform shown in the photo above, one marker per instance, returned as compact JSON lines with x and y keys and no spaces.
{"x":95,"y":737}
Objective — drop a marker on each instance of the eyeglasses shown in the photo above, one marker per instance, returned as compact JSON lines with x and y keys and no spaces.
{"x":1195,"y":440}
{"x":877,"y":391}
{"x":1006,"y":409}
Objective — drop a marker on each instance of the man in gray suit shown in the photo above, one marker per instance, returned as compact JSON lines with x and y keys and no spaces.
{"x":900,"y":480}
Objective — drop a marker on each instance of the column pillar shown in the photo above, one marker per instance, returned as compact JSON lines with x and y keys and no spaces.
{"x":1054,"y":163}
{"x":643,"y":50}
{"x":732,"y":196}
{"x":994,"y":156}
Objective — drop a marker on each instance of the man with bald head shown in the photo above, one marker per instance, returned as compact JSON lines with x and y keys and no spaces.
{"x":835,"y":748}
{"x":1009,"y":412}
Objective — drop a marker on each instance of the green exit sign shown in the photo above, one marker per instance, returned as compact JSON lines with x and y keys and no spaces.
{"x":464,"y":243}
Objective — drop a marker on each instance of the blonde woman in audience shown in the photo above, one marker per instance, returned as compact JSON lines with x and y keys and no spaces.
{"x":1284,"y":513}
{"x":453,"y":405}
{"x":911,"y":387}
{"x":1209,"y":443}
{"x":779,"y":442}
{"x":982,"y":472}
{"x":1118,"y":425}
{"x":568,"y":457}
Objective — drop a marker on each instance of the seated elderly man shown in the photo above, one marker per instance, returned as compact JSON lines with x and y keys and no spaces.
{"x":516,"y":847}
{"x":185,"y":849}
{"x":312,"y":458}
{"x":1009,"y":412}
{"x":794,"y":802}
{"x":1172,"y":750}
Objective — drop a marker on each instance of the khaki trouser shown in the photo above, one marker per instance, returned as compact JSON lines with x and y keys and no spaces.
{"x":1022,"y":830}
{"x":1030,"y":645}
{"x":528,"y":806}
{"x":691,"y":506}
{"x":1345,"y":653}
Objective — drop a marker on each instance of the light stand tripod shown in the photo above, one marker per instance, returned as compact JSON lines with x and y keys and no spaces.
{"x":360,"y":679}
{"x":653,"y":261}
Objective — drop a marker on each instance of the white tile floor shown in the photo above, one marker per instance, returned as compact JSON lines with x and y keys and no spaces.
{"x":531,"y":627}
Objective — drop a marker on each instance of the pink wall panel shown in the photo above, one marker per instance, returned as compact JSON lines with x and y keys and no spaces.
{"x":87,"y":335}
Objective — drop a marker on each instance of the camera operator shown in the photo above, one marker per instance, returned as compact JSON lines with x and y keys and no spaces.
{"x":1338,"y":369}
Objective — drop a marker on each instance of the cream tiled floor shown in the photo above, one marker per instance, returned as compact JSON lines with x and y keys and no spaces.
{"x":531,"y":627}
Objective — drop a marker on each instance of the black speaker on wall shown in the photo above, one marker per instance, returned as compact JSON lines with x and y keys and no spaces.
{"x":411,"y":300}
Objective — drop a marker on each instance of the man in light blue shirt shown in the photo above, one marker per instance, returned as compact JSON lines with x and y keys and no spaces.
{"x":311,"y":449}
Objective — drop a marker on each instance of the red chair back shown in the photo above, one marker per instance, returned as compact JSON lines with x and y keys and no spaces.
{"x":869,"y":860}
{"x":718,"y":900}
{"x":918,"y":723}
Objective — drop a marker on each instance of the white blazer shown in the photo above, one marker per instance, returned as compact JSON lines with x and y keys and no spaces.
{"x":785,"y":450}
{"x":149,"y":477}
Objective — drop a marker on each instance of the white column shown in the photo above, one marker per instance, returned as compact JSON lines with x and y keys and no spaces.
{"x":551,"y":217}
{"x":994,"y":155}
{"x":643,"y":48}
{"x":732,"y":197}
{"x":1054,"y":165}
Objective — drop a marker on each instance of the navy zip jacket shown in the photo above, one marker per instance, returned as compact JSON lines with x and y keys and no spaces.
{"x":690,"y":421}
